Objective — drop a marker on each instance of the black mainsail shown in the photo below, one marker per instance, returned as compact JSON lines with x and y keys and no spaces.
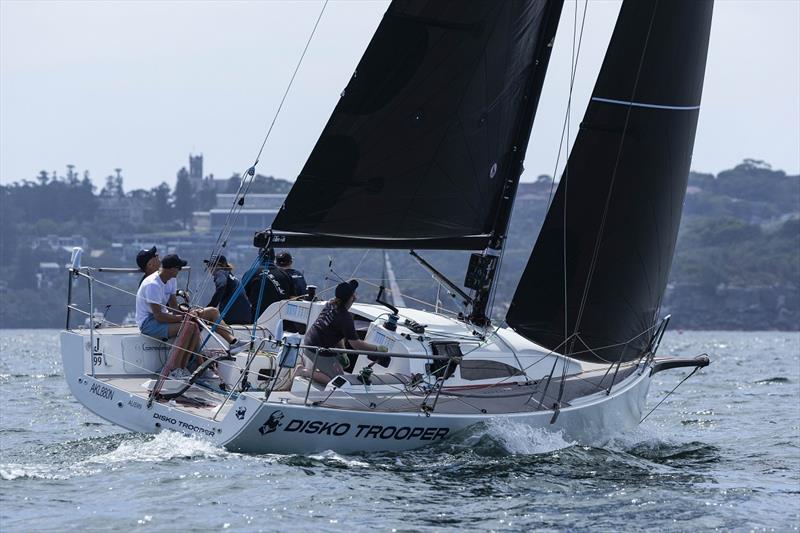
{"x":425,"y":146}
{"x":593,"y":284}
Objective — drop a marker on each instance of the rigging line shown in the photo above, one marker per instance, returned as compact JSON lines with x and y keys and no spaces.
{"x":234,"y":210}
{"x":493,"y":289}
{"x":601,"y":229}
{"x":99,"y":282}
{"x":423,"y":302}
{"x":569,"y":103}
{"x":227,"y":228}
{"x":291,"y":81}
{"x":353,"y":274}
{"x":607,"y":346}
{"x":564,"y":222}
{"x":670,"y":393}
{"x":248,"y":177}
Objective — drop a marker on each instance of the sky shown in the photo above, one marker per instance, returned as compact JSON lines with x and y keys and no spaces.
{"x":141,"y":85}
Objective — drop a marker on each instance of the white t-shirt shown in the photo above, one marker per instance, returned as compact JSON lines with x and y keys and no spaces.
{"x":153,"y":291}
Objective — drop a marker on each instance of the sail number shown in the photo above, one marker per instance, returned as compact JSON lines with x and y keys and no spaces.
{"x":97,"y":355}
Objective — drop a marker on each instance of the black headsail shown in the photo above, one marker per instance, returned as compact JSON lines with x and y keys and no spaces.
{"x":610,"y":233}
{"x":427,"y":135}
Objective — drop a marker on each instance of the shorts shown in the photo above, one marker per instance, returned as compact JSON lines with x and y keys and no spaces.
{"x":153,"y":328}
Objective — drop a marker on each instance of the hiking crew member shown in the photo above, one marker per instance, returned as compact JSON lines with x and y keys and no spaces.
{"x":148,"y":262}
{"x":227,"y":284}
{"x":157,"y":313}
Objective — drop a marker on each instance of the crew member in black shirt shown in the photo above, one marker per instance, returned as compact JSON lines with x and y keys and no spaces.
{"x":333,"y":327}
{"x":285,"y":262}
{"x":226,"y":286}
{"x":277,"y":287}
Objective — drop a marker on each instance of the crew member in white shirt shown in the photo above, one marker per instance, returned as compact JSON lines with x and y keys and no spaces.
{"x":158,"y":316}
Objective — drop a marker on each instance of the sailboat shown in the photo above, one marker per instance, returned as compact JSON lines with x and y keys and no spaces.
{"x":424,"y":151}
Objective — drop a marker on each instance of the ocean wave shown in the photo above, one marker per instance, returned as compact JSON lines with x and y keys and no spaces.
{"x":770,"y":381}
{"x":329,"y":457}
{"x":14,"y":471}
{"x":164,"y":446}
{"x":502,"y":436}
{"x":92,"y":456}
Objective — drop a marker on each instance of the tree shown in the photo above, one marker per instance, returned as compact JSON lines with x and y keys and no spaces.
{"x":161,"y":202}
{"x":184,"y":199}
{"x":233,"y":184}
{"x":25,"y":272}
{"x":207,"y":198}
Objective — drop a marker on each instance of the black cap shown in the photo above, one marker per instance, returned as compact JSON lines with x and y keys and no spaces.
{"x":346,"y":289}
{"x":173,"y":261}
{"x":144,"y":256}
{"x":283,"y":259}
{"x":217,"y":260}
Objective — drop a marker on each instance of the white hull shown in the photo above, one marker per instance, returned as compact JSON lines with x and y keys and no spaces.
{"x":283,"y":424}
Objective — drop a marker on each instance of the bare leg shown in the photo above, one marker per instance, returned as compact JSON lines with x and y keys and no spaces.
{"x":211,"y":314}
{"x":189,"y":345}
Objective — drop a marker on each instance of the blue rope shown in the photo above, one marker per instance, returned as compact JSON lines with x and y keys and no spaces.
{"x":266,"y":265}
{"x":245,"y":280}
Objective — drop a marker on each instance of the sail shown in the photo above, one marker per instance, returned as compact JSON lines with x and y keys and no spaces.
{"x":427,"y":133}
{"x":593,"y":284}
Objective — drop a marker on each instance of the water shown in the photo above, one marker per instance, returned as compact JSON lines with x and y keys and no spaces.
{"x":722,"y":453}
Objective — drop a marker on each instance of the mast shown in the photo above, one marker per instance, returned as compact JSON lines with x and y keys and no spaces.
{"x":483,"y":267}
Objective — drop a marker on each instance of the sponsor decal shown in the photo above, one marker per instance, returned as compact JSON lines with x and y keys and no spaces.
{"x":240,"y":413}
{"x":272,"y":423}
{"x":361,"y":431}
{"x":149,"y":347}
{"x":134,"y":404}
{"x":183,"y":425}
{"x":102,"y":391}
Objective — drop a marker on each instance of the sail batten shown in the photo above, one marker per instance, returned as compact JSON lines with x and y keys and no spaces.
{"x":602,"y":259}
{"x":646,"y":105}
{"x":424,"y":139}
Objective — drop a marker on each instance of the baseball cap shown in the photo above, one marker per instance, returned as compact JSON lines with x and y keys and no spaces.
{"x":217,"y":260}
{"x":173,"y":261}
{"x":346,"y":289}
{"x":284,"y":258}
{"x":144,"y":256}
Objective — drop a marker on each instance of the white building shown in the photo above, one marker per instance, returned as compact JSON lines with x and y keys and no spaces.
{"x":256,"y":214}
